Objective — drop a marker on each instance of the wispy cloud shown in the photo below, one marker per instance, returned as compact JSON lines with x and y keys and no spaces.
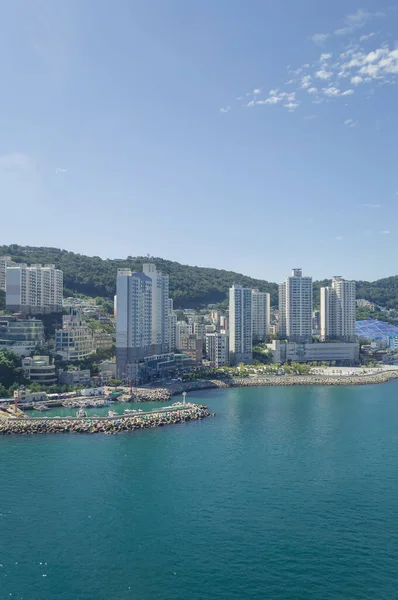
{"x":372,"y":205}
{"x":334,"y":75}
{"x":225,"y":109}
{"x":385,"y":232}
{"x":16,"y":161}
{"x":339,"y":238}
{"x":58,"y":171}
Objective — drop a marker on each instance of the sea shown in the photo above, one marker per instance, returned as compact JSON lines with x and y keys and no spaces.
{"x":286,"y":494}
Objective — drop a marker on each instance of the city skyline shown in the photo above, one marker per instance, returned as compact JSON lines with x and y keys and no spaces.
{"x":176,"y":113}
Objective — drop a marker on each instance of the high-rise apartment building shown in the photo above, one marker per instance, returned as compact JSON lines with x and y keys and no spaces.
{"x":295,"y":308}
{"x":160,"y":308}
{"x":217,"y":349}
{"x":261,"y":315}
{"x":35,"y":289}
{"x":337,"y":312}
{"x":133,"y":320}
{"x":172,"y":327}
{"x":5,"y":261}
{"x":240,"y":324}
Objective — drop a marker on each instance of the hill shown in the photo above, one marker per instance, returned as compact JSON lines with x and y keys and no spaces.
{"x":190,"y":287}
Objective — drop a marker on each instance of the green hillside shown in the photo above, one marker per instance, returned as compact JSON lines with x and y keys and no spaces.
{"x":190,"y":287}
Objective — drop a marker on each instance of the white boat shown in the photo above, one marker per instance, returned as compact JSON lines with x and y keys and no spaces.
{"x":81,"y":413}
{"x":40,"y":407}
{"x":128,"y":411}
{"x":112,"y":413}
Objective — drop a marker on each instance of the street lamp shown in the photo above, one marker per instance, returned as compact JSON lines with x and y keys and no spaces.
{"x":184,"y":395}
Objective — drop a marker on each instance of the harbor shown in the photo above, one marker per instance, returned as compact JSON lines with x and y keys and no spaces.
{"x":117,"y":423}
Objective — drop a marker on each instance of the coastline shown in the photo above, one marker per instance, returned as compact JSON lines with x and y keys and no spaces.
{"x":163,"y":394}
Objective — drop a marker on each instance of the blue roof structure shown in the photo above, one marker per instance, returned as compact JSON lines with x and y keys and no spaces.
{"x":372,"y":329}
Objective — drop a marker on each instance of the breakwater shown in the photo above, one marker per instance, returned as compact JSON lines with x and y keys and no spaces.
{"x":165,"y":393}
{"x":107,"y":425}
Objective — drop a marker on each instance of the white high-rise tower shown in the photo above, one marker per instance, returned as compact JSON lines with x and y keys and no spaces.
{"x":133,"y":320}
{"x":240,"y":324}
{"x":295,"y":308}
{"x":160,"y":308}
{"x":261,"y":315}
{"x":337,"y":312}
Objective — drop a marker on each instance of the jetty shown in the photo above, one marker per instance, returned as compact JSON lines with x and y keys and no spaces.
{"x":107,"y":425}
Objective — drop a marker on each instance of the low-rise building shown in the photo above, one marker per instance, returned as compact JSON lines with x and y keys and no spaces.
{"x":74,"y":341}
{"x":75,"y":377}
{"x":339,"y":352}
{"x":20,"y":336}
{"x":193,"y":346}
{"x":102,"y":340}
{"x":39,"y":369}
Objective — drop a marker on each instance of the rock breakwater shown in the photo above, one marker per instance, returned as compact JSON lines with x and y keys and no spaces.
{"x":107,"y":425}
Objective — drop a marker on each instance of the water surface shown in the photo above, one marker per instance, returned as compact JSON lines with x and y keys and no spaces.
{"x":289,"y":493}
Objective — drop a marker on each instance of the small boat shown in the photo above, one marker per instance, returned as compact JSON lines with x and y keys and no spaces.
{"x":112,"y":413}
{"x":40,"y":407}
{"x":128,"y":411}
{"x":81,"y":413}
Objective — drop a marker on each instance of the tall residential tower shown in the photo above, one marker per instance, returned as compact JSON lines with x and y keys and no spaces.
{"x":160,"y":309}
{"x":261,"y":315}
{"x":295,"y":308}
{"x":133,"y":320}
{"x":34,"y":289}
{"x":240,"y":324}
{"x":337,"y":312}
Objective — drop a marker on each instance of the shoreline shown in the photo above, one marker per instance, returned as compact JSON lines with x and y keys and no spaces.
{"x":163,"y":394}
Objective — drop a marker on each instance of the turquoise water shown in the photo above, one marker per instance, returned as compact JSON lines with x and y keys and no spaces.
{"x":118,"y":407}
{"x":287,"y":494}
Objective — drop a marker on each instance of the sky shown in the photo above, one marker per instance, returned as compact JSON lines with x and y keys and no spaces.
{"x":253,"y":136}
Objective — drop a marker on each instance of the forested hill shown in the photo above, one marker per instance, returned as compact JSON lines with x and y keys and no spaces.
{"x":190,"y":287}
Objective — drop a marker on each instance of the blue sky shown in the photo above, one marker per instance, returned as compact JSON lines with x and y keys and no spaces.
{"x":254,"y":136}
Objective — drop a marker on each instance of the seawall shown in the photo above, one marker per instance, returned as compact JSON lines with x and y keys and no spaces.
{"x":107,"y":425}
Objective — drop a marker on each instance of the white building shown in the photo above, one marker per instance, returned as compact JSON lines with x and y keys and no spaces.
{"x":160,"y":308}
{"x":74,"y":341}
{"x":217,"y":349}
{"x":295,"y":308}
{"x":34,"y":289}
{"x":338,"y":309}
{"x":261,"y":315}
{"x":133,"y":320}
{"x":21,"y":336}
{"x":240,"y":324}
{"x":39,"y":369}
{"x":5,"y":261}
{"x":283,"y":352}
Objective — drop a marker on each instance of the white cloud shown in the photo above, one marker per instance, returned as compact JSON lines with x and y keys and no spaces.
{"x":356,"y":80}
{"x":339,"y":238}
{"x":325,"y":56}
{"x":58,"y":170}
{"x":225,"y":109}
{"x":319,"y":38}
{"x":256,"y":91}
{"x":371,"y":205}
{"x":385,"y":232}
{"x":291,"y":106}
{"x":331,"y":91}
{"x":322,"y":74}
{"x":350,"y":123}
{"x":312,"y":90}
{"x":306,"y":81}
{"x":366,"y":37}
